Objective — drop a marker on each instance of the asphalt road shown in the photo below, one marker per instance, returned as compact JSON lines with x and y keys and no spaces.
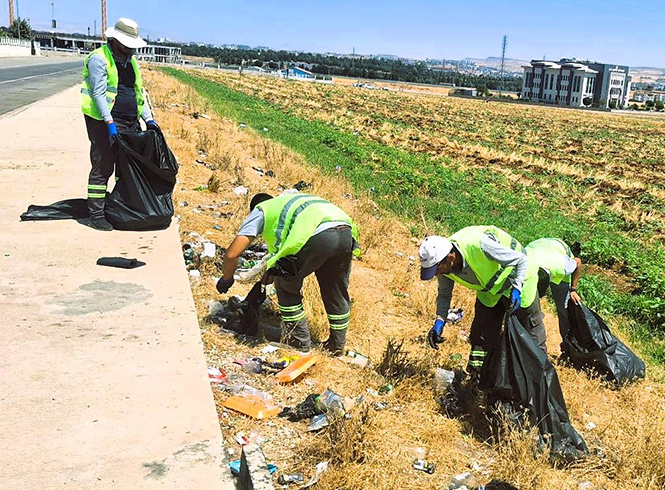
{"x":23,"y":82}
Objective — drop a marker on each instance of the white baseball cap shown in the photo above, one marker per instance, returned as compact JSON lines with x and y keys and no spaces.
{"x":432,"y":251}
{"x":126,"y":32}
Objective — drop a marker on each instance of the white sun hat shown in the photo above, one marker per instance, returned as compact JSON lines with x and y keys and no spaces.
{"x":126,"y":32}
{"x":432,"y":251}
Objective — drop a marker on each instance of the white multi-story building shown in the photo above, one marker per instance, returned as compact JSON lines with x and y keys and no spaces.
{"x":577,"y":84}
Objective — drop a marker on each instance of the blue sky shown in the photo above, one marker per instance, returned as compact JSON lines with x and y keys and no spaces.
{"x":628,"y":32}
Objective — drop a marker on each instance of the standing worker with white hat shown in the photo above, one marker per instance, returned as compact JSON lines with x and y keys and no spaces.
{"x":494,"y":264}
{"x":112,"y":100}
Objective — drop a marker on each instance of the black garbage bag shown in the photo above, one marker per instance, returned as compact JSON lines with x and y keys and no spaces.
{"x":304,"y":410}
{"x":67,"y":209}
{"x":241,"y":316}
{"x":589,"y":344}
{"x":141,"y":199}
{"x":518,"y":376}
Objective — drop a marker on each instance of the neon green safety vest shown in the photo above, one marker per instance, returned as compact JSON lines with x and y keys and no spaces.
{"x":88,"y":105}
{"x":550,"y":254}
{"x":290,"y":221}
{"x":493,"y":277}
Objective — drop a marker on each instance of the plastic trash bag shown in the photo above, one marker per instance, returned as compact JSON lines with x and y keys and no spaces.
{"x":589,"y":344}
{"x":519,"y":377}
{"x":141,"y":199}
{"x":241,"y":316}
{"x":68,"y":209}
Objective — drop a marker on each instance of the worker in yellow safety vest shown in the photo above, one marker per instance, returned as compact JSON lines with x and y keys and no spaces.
{"x":494,"y":264}
{"x":305,"y":234}
{"x":112,"y":100}
{"x":560,"y":270}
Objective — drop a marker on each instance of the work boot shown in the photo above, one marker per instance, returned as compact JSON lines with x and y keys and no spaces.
{"x":296,"y":335}
{"x":336,"y":342}
{"x":100,"y":224}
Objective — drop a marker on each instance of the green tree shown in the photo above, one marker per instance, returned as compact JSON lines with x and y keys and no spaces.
{"x":22,"y":27}
{"x":649,"y":104}
{"x":659,"y":105}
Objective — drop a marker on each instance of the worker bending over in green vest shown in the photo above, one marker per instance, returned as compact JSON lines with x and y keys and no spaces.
{"x":559,"y":269}
{"x":494,"y":264}
{"x":305,"y":234}
{"x":112,"y":100}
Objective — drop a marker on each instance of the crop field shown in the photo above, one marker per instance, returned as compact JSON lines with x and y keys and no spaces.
{"x":608,"y":160}
{"x":367,"y":152}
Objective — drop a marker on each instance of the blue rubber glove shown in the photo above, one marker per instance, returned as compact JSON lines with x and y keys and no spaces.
{"x":515,"y":300}
{"x":151,"y":124}
{"x":223,"y":285}
{"x":113,"y":133}
{"x":434,"y":336}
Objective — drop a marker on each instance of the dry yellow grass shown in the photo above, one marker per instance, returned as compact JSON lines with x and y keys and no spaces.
{"x":630,"y":424}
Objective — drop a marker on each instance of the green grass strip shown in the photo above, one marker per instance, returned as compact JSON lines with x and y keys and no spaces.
{"x":414,"y":185}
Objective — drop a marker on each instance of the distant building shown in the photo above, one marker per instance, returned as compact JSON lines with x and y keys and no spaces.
{"x":63,"y":42}
{"x":576,"y":83}
{"x":466,"y":91}
{"x":159,"y":54}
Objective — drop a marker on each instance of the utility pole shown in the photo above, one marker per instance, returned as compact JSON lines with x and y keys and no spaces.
{"x":18,"y":16}
{"x":95,"y":26}
{"x":12,"y":17}
{"x":103,"y":20}
{"x":502,"y":72}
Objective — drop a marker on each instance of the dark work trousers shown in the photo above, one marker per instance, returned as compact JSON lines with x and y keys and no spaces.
{"x":487,"y":323}
{"x":102,"y":158}
{"x":328,"y":254}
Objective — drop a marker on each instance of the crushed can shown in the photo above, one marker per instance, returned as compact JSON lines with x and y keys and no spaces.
{"x":422,"y":465}
{"x":287,"y":479}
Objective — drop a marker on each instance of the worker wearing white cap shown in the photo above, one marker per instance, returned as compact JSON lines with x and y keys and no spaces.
{"x":495,"y":265}
{"x":112,"y":100}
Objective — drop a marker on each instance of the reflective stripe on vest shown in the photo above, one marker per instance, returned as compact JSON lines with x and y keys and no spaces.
{"x":493,"y":278}
{"x":290,"y":220}
{"x":88,"y":105}
{"x":550,"y":254}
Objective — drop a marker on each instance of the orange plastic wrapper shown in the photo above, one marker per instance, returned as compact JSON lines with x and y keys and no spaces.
{"x":252,"y":405}
{"x":293,"y":371}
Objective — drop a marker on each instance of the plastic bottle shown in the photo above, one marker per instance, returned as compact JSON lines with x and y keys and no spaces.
{"x":330,"y":402}
{"x":244,"y":389}
{"x":318,"y":422}
{"x":442,"y":380}
{"x":252,"y":366}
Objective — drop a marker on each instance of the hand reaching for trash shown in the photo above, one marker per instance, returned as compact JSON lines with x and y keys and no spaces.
{"x":515,"y":300}
{"x":576,"y":297}
{"x":435,"y":335}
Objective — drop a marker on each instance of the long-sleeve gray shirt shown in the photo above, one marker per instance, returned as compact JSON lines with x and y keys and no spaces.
{"x":97,"y":79}
{"x":493,"y":250}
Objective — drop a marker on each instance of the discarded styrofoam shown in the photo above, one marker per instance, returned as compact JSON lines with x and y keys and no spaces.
{"x":241,"y":190}
{"x":209,"y":250}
